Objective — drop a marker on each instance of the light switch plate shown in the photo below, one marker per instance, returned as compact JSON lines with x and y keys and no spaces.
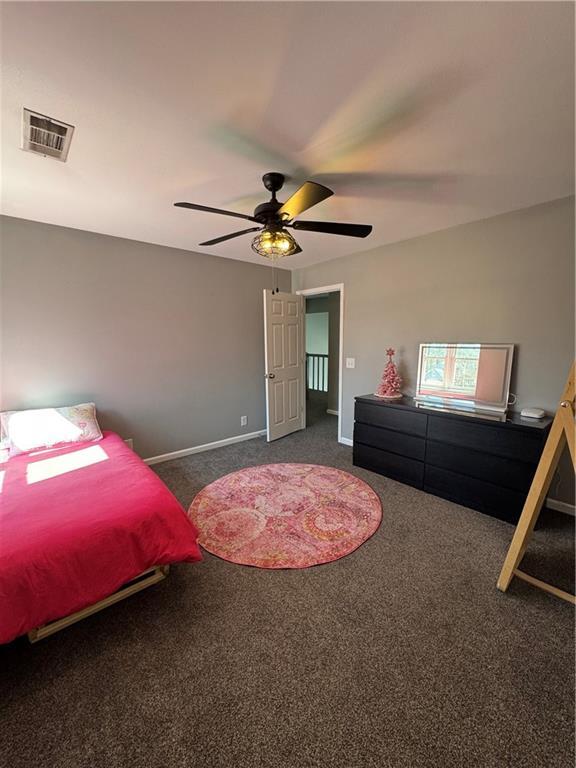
{"x":350,"y":362}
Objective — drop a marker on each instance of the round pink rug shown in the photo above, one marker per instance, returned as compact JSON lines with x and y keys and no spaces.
{"x":285,"y":515}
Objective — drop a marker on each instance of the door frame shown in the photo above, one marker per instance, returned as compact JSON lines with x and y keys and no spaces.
{"x":307,"y":293}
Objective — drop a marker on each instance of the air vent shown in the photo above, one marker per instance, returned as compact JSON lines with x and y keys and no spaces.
{"x":46,"y":136}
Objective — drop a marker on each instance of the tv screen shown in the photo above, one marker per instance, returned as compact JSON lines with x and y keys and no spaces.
{"x":471,"y":375}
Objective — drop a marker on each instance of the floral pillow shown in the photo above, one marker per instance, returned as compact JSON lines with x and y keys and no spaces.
{"x":49,"y":427}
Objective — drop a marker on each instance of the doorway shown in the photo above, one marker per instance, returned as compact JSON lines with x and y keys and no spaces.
{"x":323,"y":372}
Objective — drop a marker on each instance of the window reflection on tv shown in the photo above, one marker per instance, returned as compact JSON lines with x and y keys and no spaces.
{"x":477,"y":374}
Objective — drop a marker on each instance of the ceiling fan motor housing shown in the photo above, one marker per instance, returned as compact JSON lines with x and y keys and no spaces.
{"x":267,"y":213}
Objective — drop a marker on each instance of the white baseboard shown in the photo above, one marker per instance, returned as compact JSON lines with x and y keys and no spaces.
{"x":331,"y":412}
{"x":206,"y":447}
{"x":556,"y":504}
{"x":561,"y":506}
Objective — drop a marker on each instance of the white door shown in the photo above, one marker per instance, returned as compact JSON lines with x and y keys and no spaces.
{"x":285,"y":363}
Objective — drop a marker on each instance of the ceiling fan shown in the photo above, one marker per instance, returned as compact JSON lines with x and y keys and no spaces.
{"x":274,"y":218}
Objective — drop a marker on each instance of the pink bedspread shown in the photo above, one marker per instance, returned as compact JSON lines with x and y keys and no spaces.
{"x":78,"y":522}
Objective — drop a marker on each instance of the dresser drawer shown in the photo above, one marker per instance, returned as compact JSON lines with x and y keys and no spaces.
{"x":388,"y":440}
{"x":392,"y":418}
{"x":499,"y":440}
{"x":498,"y":470}
{"x":491,"y":499}
{"x":400,"y":468}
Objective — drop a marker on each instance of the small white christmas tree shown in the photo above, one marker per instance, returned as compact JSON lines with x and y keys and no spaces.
{"x":391,"y":382}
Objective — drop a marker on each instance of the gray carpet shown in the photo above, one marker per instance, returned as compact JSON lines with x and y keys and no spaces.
{"x":402,"y":654}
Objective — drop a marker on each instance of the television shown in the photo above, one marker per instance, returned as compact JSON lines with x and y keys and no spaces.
{"x":473,"y":377}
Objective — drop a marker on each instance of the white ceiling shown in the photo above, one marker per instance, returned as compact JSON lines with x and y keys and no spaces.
{"x":475,"y":103}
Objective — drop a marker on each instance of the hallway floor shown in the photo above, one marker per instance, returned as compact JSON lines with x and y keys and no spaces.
{"x":316,"y":415}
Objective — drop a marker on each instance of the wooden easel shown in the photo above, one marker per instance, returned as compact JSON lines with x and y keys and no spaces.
{"x":561,"y":432}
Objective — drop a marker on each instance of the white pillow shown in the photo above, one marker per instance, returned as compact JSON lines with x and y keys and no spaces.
{"x":50,"y":427}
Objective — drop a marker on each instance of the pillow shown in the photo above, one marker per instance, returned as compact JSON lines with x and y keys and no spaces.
{"x":50,"y":427}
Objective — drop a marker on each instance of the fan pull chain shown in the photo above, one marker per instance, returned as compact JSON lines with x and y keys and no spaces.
{"x":275,"y":288}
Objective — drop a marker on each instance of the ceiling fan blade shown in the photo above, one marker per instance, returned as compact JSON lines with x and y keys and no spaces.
{"x":195,"y":207}
{"x":298,"y":250}
{"x":334,"y":228}
{"x":309,"y":194}
{"x":229,"y":237}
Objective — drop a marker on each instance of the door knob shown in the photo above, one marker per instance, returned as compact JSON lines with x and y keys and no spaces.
{"x":270,"y":375}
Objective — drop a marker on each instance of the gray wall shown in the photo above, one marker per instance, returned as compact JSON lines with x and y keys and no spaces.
{"x":168,"y":343}
{"x":509,"y":278}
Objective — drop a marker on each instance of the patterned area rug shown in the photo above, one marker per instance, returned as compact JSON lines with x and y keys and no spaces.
{"x":285,"y":515}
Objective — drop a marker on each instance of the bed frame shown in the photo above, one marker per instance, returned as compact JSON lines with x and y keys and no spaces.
{"x":145,"y":579}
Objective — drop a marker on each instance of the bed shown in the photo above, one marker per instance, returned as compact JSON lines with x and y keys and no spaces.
{"x":81,"y":527}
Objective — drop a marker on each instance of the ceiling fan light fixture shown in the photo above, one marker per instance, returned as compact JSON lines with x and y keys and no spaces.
{"x":274,"y":244}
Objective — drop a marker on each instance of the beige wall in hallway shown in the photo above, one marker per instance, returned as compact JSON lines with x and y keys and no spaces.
{"x":331,"y":305}
{"x":168,"y":343}
{"x":509,"y":278}
{"x":333,"y":349}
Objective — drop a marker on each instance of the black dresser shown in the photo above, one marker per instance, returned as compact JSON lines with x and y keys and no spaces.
{"x":483,"y":464}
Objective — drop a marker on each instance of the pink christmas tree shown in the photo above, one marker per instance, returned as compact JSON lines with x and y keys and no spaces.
{"x":391,"y":381}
